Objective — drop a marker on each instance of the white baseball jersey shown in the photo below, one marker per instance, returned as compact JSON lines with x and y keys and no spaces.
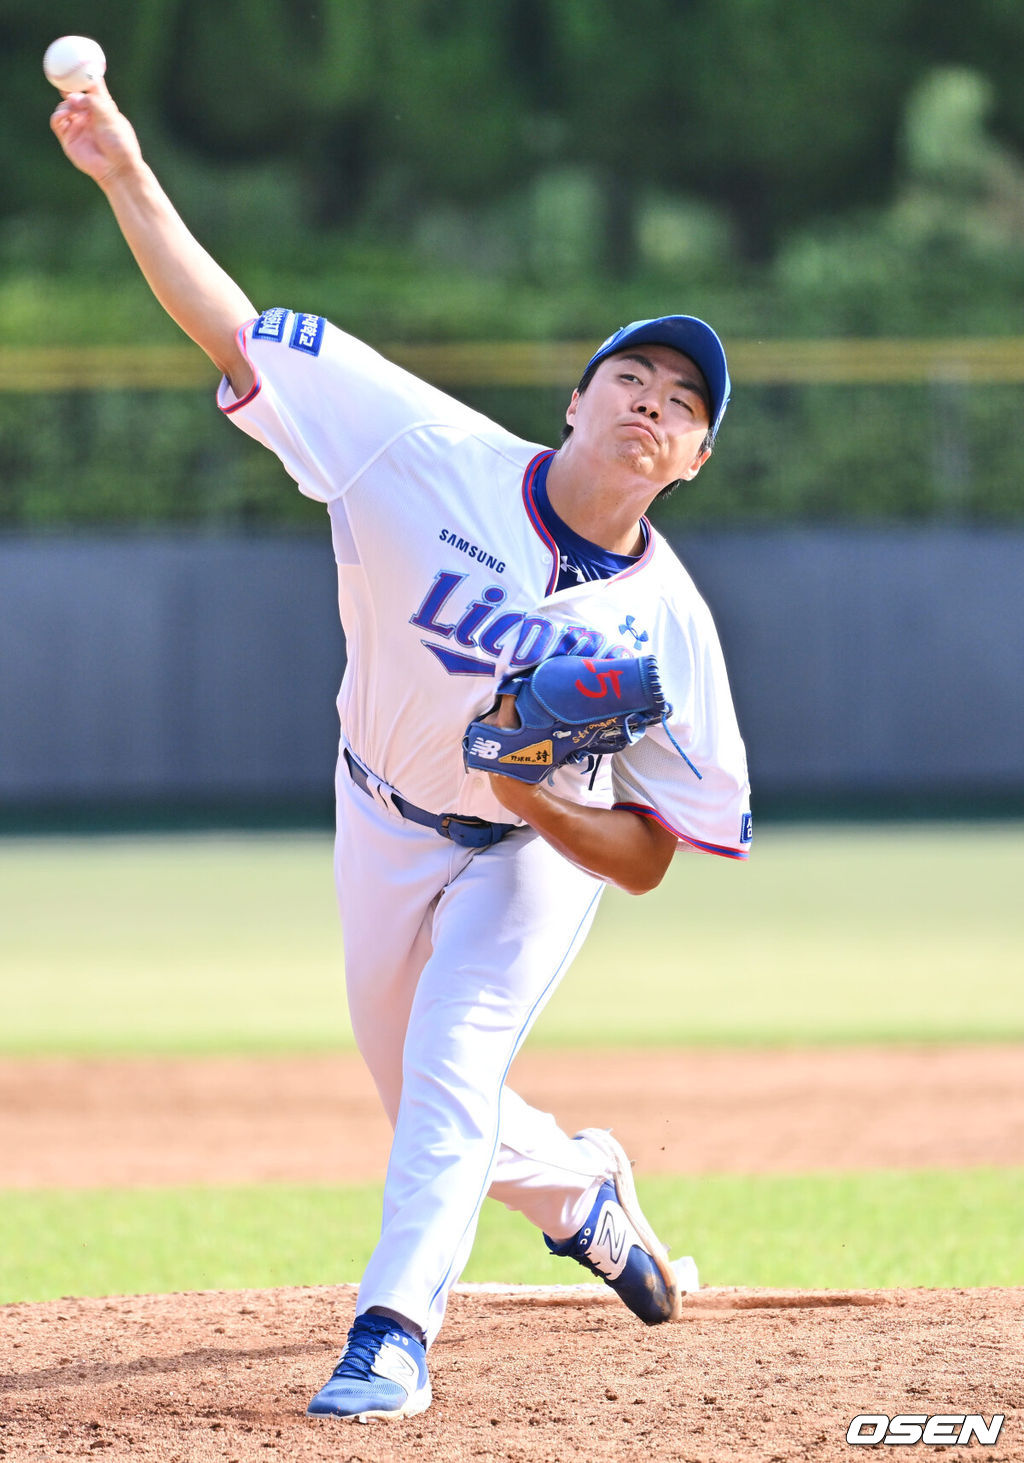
{"x":446,"y":578}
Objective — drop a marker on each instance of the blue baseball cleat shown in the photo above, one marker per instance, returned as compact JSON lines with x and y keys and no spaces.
{"x":619,"y":1245}
{"x":382,"y":1373}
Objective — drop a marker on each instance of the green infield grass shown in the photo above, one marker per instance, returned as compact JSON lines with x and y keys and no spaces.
{"x":217,"y":943}
{"x":825,"y":1231}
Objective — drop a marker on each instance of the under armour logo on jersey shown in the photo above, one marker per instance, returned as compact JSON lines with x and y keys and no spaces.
{"x":486,"y":748}
{"x":567,"y":567}
{"x":639,"y":636}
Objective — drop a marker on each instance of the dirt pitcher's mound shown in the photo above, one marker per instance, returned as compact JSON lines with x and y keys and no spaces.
{"x":745,"y":1375}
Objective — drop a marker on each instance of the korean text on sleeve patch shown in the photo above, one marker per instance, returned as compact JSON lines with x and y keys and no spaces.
{"x":307,"y":334}
{"x":270,"y":325}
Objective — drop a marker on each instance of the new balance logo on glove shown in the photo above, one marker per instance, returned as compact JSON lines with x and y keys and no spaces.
{"x":485,"y":748}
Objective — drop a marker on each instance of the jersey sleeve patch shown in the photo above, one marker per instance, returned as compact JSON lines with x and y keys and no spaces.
{"x":270,"y":325}
{"x":307,"y":334}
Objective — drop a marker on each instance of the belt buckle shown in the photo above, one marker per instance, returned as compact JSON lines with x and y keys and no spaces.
{"x":470,"y":825}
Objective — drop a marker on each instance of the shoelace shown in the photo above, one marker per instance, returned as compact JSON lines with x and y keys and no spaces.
{"x":589,"y":1265}
{"x":582,"y":1258}
{"x":364,"y":1341}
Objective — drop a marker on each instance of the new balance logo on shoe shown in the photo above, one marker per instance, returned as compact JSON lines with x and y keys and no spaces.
{"x":613,"y":1236}
{"x":618,"y":1244}
{"x":396,"y":1366}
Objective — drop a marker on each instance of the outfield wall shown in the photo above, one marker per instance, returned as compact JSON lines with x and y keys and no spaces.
{"x":159,"y":668}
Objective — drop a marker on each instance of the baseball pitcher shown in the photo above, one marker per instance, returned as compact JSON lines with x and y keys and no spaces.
{"x":535,"y":705}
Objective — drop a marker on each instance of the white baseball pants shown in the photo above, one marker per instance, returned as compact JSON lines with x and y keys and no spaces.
{"x":450,"y":956}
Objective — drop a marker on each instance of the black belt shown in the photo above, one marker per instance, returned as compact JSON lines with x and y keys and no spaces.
{"x":467,"y":832}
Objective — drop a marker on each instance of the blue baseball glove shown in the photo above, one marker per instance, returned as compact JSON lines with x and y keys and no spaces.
{"x":570,"y":708}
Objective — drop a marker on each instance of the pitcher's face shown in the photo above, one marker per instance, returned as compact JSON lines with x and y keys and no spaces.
{"x":646,"y":407}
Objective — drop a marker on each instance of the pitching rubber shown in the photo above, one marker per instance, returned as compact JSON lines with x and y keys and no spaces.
{"x":684,"y":1269}
{"x":684,"y":1272}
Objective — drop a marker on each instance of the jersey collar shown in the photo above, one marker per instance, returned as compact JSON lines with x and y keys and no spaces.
{"x":532,"y":512}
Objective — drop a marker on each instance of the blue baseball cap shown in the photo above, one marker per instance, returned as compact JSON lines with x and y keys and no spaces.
{"x":683,"y":333}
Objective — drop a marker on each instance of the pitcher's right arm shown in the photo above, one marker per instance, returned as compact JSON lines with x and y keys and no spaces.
{"x":193,"y":289}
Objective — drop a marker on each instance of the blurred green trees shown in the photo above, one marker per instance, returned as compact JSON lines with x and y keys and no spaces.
{"x":424,"y":169}
{"x":778,"y":113}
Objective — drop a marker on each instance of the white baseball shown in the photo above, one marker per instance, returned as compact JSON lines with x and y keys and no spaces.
{"x":73,"y":62}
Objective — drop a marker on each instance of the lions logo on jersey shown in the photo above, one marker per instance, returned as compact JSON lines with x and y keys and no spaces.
{"x":484,"y":625}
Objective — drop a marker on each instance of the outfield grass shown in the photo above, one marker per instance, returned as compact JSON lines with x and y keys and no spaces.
{"x":192,"y":944}
{"x":834,"y":1231}
{"x":215,"y":944}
